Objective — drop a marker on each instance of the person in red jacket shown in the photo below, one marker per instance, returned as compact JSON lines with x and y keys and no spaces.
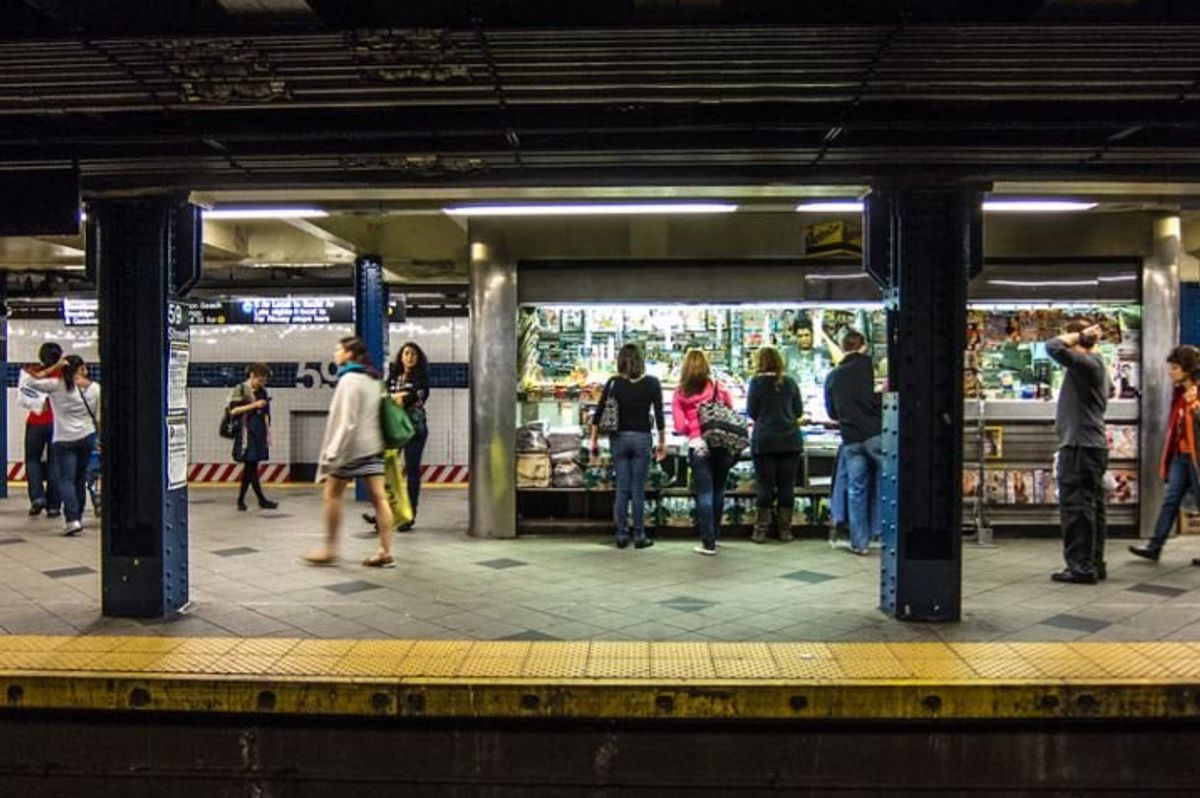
{"x":39,"y":433}
{"x":1180,"y":464}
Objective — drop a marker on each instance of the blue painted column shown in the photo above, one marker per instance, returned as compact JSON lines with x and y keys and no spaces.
{"x":4,"y":393}
{"x":923,"y":246}
{"x":144,"y":255}
{"x":371,"y":319}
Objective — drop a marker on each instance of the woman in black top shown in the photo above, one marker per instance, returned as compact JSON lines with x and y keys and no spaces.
{"x":250,"y":404}
{"x":408,"y":382}
{"x":773,"y":403}
{"x":636,"y":394}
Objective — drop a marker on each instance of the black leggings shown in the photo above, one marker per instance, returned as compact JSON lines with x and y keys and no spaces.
{"x":775,"y":475}
{"x":250,"y":480}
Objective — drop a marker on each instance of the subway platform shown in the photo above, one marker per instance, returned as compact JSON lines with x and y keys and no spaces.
{"x":564,"y":666}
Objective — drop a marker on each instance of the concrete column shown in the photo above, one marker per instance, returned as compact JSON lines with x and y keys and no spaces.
{"x":493,"y":307}
{"x":1160,"y":332}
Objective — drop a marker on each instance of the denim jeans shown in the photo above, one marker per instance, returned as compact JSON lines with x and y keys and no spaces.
{"x":631,"y":462}
{"x":413,"y":450}
{"x":708,"y":485}
{"x":43,"y":489}
{"x":71,"y":461}
{"x":1181,"y":478}
{"x":864,"y":469}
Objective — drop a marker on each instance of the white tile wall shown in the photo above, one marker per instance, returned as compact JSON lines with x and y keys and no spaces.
{"x":444,"y":341}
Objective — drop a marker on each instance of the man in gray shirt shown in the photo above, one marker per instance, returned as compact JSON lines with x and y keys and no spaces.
{"x":1082,"y":451}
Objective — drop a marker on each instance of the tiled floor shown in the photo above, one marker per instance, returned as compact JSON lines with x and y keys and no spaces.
{"x":247,"y":581}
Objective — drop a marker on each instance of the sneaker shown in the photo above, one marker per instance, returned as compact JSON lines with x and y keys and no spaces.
{"x":53,"y":513}
{"x":72,"y":528}
{"x":643,"y":543}
{"x":36,"y":509}
{"x":1146,"y":552}
{"x":622,"y":543}
{"x":267,"y":504}
{"x":863,"y":552}
{"x":702,"y":549}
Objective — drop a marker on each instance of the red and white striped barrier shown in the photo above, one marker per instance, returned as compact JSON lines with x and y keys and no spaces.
{"x":444,"y":474}
{"x":277,"y":472}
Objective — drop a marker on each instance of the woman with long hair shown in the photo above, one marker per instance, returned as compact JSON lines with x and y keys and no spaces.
{"x":353,"y":449}
{"x":636,"y":394}
{"x":75,"y":400}
{"x":408,"y":383}
{"x":251,"y":405}
{"x":710,"y":466}
{"x":773,"y":403}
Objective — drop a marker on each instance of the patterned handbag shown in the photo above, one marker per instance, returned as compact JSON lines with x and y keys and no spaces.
{"x":610,"y":416}
{"x":721,"y":426}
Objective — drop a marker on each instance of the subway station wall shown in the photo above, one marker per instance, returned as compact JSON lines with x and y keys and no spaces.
{"x":302,"y":360}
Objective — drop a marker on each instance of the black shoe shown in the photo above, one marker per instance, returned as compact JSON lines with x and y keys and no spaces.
{"x":267,"y":504}
{"x":370,"y":519}
{"x":1102,"y":571}
{"x":1196,"y":561}
{"x":406,"y":527}
{"x":644,"y":543}
{"x":1146,"y":552}
{"x":1074,"y":577}
{"x":53,"y":513}
{"x":36,"y":509}
{"x":241,"y":505}
{"x":622,"y":543}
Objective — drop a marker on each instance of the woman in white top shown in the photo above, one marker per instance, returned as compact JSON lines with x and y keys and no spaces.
{"x":75,"y":400}
{"x":353,"y":449}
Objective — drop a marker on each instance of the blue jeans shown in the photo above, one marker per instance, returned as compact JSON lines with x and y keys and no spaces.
{"x":839,"y":513}
{"x":71,"y":461}
{"x":864,"y":468}
{"x":413,"y":450}
{"x":43,"y":488}
{"x":1181,"y":478}
{"x":631,"y":462}
{"x":708,"y":484}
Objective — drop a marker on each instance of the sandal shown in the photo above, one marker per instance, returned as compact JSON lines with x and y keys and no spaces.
{"x":319,"y":559}
{"x":380,"y":561}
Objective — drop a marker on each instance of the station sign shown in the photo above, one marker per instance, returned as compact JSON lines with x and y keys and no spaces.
{"x":247,"y":310}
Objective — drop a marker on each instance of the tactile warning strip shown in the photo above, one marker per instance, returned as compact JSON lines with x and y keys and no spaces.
{"x":604,"y":679}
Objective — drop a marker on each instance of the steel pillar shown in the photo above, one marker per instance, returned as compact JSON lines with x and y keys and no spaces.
{"x":4,"y":393}
{"x":371,"y":320}
{"x":144,"y":254}
{"x":493,"y":487}
{"x":923,"y":246}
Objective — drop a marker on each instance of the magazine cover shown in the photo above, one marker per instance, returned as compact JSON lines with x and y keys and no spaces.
{"x":1046,"y":489}
{"x":1125,"y":486}
{"x":996,"y":486}
{"x":970,"y":484}
{"x":1122,"y":441}
{"x":1019,"y":487}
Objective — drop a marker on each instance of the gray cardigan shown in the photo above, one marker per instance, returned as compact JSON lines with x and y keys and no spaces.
{"x":352,"y":431}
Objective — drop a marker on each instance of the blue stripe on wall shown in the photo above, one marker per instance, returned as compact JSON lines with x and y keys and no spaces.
{"x":308,"y":374}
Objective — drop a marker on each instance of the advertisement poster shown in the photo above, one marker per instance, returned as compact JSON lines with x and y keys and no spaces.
{"x":177,"y":451}
{"x":178,"y":355}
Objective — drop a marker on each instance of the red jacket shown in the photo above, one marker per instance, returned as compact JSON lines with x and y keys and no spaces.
{"x":1180,"y":407}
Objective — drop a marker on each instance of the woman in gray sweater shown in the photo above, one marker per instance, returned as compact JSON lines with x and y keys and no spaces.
{"x":353,"y":449}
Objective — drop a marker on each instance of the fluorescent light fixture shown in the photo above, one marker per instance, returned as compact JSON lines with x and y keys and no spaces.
{"x":835,"y":276}
{"x":1119,"y":278}
{"x":592,"y":209}
{"x":833,"y":206}
{"x":992,"y":206}
{"x":1044,"y":283}
{"x":1035,"y":206}
{"x":264,"y":213}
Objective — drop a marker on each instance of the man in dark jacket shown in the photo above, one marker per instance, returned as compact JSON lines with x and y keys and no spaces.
{"x":1082,"y":451}
{"x":851,"y":400}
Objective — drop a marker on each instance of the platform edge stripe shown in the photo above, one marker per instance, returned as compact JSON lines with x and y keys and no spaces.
{"x":601,"y":699}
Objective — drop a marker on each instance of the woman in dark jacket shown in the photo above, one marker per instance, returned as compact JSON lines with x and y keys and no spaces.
{"x":250,"y":404}
{"x":638,"y":396}
{"x":773,"y":403}
{"x":408,"y":382}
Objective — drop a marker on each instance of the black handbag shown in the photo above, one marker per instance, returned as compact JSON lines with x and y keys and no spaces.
{"x":230,"y":424}
{"x":610,"y":414}
{"x":722,"y":427}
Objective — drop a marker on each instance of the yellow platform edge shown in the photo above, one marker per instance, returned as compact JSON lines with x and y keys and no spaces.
{"x":604,"y":680}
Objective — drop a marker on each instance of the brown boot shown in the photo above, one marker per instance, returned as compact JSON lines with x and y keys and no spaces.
{"x":762,"y":525}
{"x":785,"y":524}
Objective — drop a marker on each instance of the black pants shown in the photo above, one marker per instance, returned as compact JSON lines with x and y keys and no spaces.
{"x":775,"y":477}
{"x":1081,"y":506}
{"x":250,"y":480}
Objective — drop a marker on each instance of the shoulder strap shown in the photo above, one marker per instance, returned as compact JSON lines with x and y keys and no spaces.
{"x":88,"y":408}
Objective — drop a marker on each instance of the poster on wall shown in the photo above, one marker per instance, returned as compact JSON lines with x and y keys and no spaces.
{"x":177,"y":451}
{"x":178,"y":355}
